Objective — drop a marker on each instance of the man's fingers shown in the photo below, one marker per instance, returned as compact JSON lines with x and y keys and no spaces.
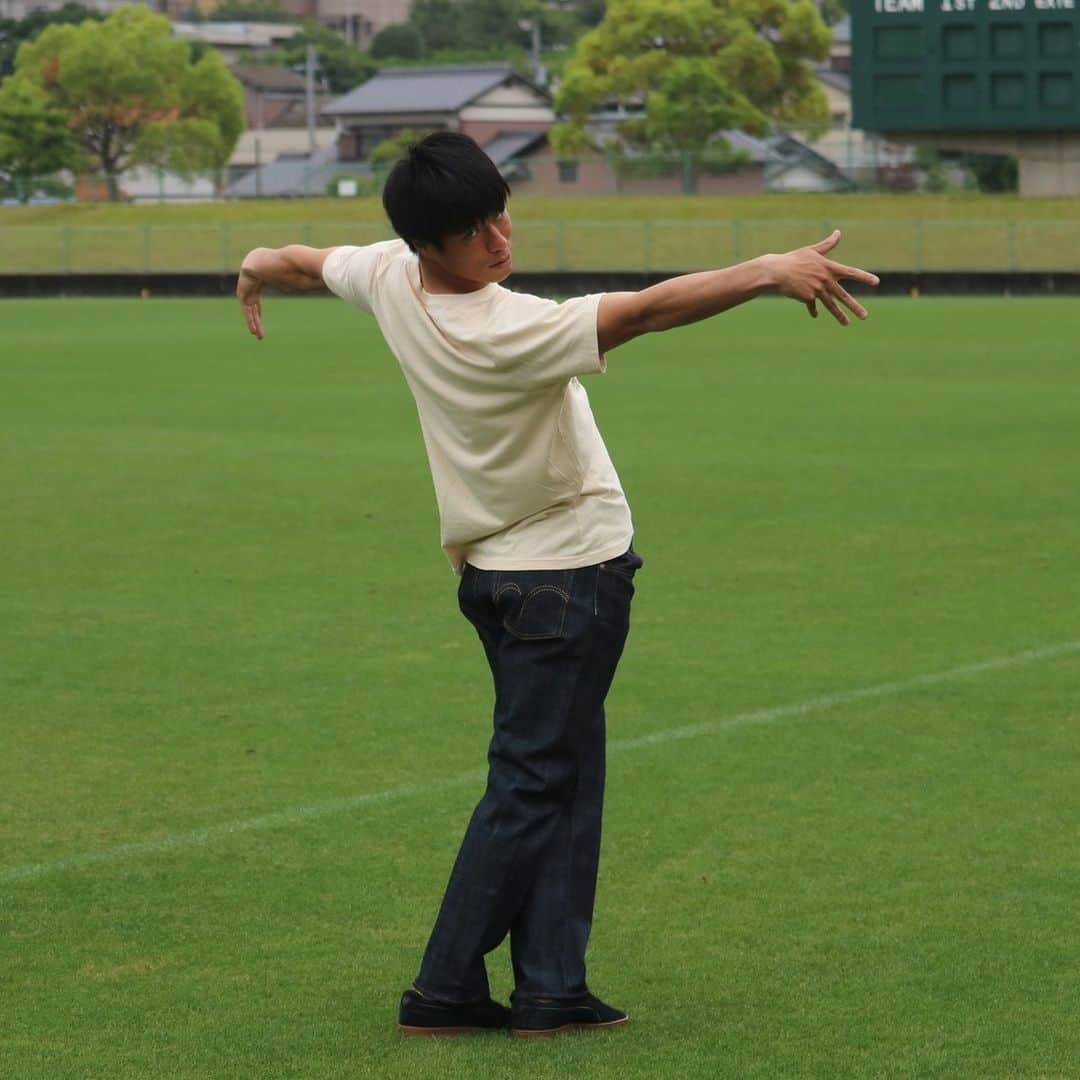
{"x":811,"y":306}
{"x":849,"y":301}
{"x":253,"y":315}
{"x":853,"y":273}
{"x":835,"y":310}
{"x":830,"y":241}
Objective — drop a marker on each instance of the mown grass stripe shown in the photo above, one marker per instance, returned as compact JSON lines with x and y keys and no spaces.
{"x":315,"y":811}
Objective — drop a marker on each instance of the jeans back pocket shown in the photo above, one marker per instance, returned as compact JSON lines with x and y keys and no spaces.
{"x":533,"y":604}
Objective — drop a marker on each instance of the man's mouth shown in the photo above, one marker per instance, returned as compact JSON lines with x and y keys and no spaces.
{"x":502,"y":262}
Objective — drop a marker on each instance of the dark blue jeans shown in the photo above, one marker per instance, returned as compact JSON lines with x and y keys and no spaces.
{"x":527,"y":866}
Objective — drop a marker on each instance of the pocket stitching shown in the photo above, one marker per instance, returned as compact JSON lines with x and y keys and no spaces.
{"x":557,"y":632}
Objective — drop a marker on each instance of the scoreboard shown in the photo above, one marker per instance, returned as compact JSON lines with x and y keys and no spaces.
{"x":965,"y":65}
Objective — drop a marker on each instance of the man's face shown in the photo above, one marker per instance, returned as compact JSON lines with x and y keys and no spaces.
{"x":471,"y":260}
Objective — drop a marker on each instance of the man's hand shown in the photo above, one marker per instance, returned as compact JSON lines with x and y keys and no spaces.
{"x":293,"y":267}
{"x":807,"y":275}
{"x":249,"y":293}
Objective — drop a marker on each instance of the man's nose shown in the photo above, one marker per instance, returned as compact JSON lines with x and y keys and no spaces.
{"x":496,"y":240}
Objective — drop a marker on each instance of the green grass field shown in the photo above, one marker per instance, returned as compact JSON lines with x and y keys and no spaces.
{"x":244,"y":724}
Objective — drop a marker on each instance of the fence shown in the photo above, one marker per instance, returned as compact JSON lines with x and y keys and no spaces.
{"x":644,"y":245}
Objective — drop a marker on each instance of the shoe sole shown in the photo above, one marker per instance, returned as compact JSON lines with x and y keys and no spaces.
{"x":543,"y":1033}
{"x":408,"y":1029}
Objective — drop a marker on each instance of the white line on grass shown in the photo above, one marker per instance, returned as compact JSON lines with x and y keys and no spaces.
{"x":301,"y":814}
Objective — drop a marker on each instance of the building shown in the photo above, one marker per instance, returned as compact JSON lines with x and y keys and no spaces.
{"x":236,"y":40}
{"x":357,"y":20}
{"x":276,"y":97}
{"x":480,"y":100}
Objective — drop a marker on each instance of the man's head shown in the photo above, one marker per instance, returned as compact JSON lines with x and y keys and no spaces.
{"x":447,"y":201}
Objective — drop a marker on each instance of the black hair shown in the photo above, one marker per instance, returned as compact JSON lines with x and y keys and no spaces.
{"x":445,"y":184}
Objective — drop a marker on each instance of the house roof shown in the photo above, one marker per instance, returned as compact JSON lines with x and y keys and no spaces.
{"x":759,"y":149}
{"x":838,"y":80}
{"x":793,"y":153}
{"x":294,"y":115}
{"x":269,"y":77}
{"x":424,"y":89}
{"x":509,"y":144}
{"x":296,"y":174}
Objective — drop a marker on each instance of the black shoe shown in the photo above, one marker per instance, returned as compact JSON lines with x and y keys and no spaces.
{"x":539,"y":1017}
{"x":419,"y":1015}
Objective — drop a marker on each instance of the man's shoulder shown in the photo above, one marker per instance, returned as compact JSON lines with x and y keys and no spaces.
{"x":359,"y":273}
{"x":529,"y":306}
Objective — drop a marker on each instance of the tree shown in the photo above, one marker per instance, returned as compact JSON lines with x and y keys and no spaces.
{"x":132,"y":95}
{"x":341,"y":67}
{"x":383,"y":156}
{"x":482,"y":25}
{"x":491,"y":23}
{"x":34,"y":138}
{"x":699,"y":66}
{"x":832,"y":11}
{"x":439,"y":24}
{"x":248,"y":11}
{"x":14,"y":32}
{"x":398,"y":41}
{"x":995,"y":172}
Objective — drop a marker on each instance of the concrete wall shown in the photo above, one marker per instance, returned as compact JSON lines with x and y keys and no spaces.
{"x":1049,"y":161}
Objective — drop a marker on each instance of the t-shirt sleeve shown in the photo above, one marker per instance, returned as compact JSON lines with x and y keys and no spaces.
{"x":552,"y":342}
{"x":349,"y":271}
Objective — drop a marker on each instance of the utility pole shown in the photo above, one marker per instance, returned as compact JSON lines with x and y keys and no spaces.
{"x":309,"y":88}
{"x":538,"y":70}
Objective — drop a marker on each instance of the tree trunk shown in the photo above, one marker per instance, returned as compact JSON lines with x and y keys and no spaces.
{"x":689,"y":173}
{"x":113,"y":185}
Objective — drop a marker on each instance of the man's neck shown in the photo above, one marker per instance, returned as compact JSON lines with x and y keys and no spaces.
{"x":436,"y":281}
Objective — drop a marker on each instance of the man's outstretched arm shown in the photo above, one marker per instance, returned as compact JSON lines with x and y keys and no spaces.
{"x":806,"y":274}
{"x":292,"y":267}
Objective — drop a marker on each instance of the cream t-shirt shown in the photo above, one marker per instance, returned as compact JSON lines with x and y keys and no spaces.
{"x":522,"y":477}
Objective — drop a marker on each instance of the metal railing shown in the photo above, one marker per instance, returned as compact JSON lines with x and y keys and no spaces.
{"x":565,"y":245}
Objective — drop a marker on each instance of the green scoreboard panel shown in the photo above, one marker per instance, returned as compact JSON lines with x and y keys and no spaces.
{"x":965,"y":65}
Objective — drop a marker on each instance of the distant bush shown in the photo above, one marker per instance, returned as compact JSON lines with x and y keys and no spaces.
{"x":399,"y":41}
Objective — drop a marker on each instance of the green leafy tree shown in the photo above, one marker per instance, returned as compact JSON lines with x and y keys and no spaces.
{"x":383,"y":156}
{"x":567,"y":140}
{"x":341,"y":67}
{"x":492,"y":23}
{"x":492,"y":28}
{"x":248,"y":11}
{"x":439,"y":24}
{"x":132,"y":95}
{"x":34,"y":139}
{"x":398,"y":41}
{"x":995,"y":173}
{"x":700,"y":65}
{"x":13,"y":32}
{"x":832,"y":11}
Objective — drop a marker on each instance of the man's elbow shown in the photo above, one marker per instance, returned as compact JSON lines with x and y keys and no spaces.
{"x":622,"y":318}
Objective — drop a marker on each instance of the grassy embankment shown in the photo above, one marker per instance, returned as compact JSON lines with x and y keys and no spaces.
{"x":885,"y":232}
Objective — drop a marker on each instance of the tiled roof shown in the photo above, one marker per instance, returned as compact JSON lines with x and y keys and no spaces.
{"x":419,"y":89}
{"x":508,"y":144}
{"x":269,"y":77}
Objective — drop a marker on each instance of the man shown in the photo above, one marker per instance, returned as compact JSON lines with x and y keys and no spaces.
{"x":534,"y":520}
